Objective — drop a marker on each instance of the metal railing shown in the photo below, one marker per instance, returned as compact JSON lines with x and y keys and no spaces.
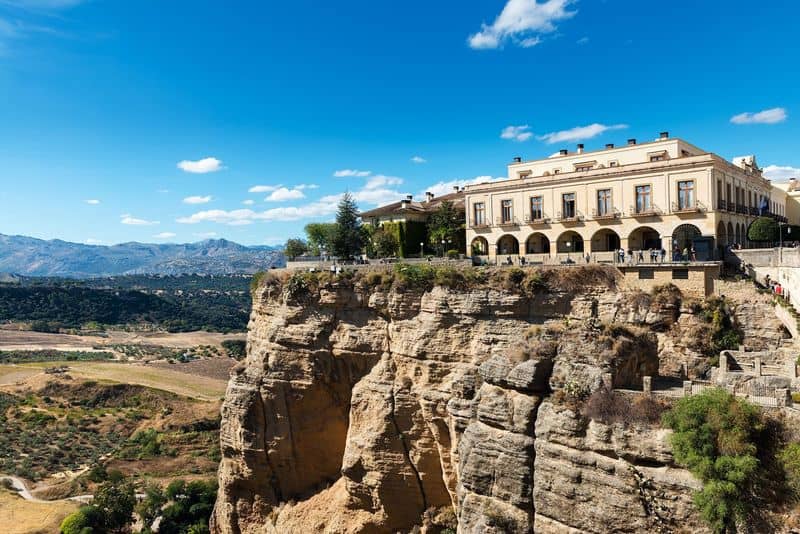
{"x":506,"y":221}
{"x":479,"y":224}
{"x":722,"y":205}
{"x":575,"y":216}
{"x":613,"y":213}
{"x":692,"y":207}
{"x":530,"y":219}
{"x":645,"y":212}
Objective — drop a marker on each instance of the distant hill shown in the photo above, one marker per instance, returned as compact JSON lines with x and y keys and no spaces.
{"x":36,"y":257}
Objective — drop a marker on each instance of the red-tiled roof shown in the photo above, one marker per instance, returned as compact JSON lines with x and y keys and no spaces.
{"x":416,"y":206}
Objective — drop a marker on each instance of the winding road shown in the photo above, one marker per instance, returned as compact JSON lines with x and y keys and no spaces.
{"x":19,"y":485}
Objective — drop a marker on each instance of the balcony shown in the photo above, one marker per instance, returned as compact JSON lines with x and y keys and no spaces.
{"x":533,"y":221}
{"x":613,"y":213}
{"x":577,"y":216}
{"x":649,"y":211}
{"x":477,"y":225}
{"x":754,"y":211}
{"x":692,"y":207}
{"x":722,"y":205}
{"x":506,"y":221}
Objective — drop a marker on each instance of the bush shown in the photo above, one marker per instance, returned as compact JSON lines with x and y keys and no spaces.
{"x":235,"y":348}
{"x":789,"y":458}
{"x":763,"y":229}
{"x":453,"y":254}
{"x":715,"y":437}
{"x":610,"y":407}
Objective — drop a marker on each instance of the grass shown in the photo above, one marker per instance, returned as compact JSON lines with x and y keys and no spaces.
{"x":196,"y":387}
{"x":14,"y":373}
{"x":19,"y":516}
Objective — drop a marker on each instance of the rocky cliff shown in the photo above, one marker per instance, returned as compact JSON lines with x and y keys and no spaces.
{"x":376,"y":408}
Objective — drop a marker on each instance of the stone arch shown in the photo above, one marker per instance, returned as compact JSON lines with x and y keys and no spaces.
{"x":683,"y":235}
{"x":730,"y":233}
{"x":643,"y":238}
{"x":537,"y":243}
{"x":507,"y":244}
{"x":574,"y":239}
{"x":480,"y":246}
{"x":605,"y":240}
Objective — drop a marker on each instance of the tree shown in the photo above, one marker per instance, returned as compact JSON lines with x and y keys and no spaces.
{"x":149,"y":508}
{"x":294,"y":248}
{"x":347,"y":239}
{"x":386,"y":243}
{"x":763,"y":229}
{"x":116,"y":502}
{"x":444,"y":225}
{"x":190,"y":506}
{"x":320,"y":236}
{"x":715,"y":437}
{"x":86,"y":520}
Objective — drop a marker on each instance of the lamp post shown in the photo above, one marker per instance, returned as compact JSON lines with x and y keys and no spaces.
{"x":421,"y":250}
{"x":569,"y":246}
{"x":375,"y":249}
{"x":443,"y":247}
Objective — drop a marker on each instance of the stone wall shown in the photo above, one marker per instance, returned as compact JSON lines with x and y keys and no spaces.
{"x":699,"y":282}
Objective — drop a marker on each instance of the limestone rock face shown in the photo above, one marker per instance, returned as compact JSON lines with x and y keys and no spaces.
{"x":357,"y":410}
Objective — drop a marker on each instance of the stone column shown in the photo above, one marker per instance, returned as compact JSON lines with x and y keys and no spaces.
{"x":647,"y":384}
{"x":784,"y":397}
{"x":757,"y":366}
{"x":687,"y":388}
{"x":791,"y":367}
{"x":723,"y":366}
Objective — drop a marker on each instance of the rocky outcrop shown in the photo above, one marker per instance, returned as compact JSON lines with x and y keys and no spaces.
{"x":359,"y":409}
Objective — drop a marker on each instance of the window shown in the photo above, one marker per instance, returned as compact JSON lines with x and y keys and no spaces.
{"x":507,"y":211}
{"x":583,"y":168}
{"x":680,"y":274}
{"x":604,"y":206}
{"x":646,"y":274}
{"x":568,"y":205}
{"x":643,"y":199}
{"x":613,"y":164}
{"x":685,"y":194}
{"x":659,"y":157}
{"x":479,"y":214}
{"x":537,"y":208}
{"x":556,"y":171}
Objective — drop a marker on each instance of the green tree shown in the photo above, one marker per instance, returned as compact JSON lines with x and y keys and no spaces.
{"x":116,"y":502}
{"x":385,"y":243}
{"x":190,"y":506}
{"x":444,"y":225}
{"x":294,"y":248}
{"x":763,"y":229}
{"x":320,"y":236}
{"x":347,"y":240}
{"x":86,"y":520}
{"x":149,"y":508}
{"x":715,"y":437}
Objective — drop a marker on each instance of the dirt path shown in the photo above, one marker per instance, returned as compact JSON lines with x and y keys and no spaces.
{"x":22,"y":490}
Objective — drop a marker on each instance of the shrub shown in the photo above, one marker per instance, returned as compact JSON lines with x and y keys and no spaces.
{"x":452,"y":254}
{"x":413,"y":276}
{"x":610,"y":407}
{"x":715,"y":437}
{"x":789,"y":458}
{"x":763,"y":229}
{"x":236,"y":348}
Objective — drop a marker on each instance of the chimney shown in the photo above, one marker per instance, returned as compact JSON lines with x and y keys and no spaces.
{"x":609,"y":146}
{"x":517,"y":159}
{"x":580,"y":148}
{"x":409,"y":197}
{"x":631,"y":142}
{"x":403,"y":204}
{"x":455,"y":189}
{"x":563,"y":152}
{"x":428,"y":196}
{"x":663,"y":135}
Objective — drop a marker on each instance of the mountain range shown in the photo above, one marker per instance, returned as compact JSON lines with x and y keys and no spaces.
{"x":37,"y":257}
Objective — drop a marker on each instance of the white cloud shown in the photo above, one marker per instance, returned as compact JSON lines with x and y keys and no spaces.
{"x":92,"y":241}
{"x":781,"y":173}
{"x":516,"y":133}
{"x":419,"y":159}
{"x":247,"y":216}
{"x":283,"y":194}
{"x":306,"y":186}
{"x":262,"y":188}
{"x":446,"y":187}
{"x":768,"y":116}
{"x":200,"y":166}
{"x":164,"y":235}
{"x":197,"y":199}
{"x":205,"y":235}
{"x":379,"y":181}
{"x":248,"y":202}
{"x":133,"y":221}
{"x":345,"y":173}
{"x":93,"y":201}
{"x":521,"y":22}
{"x":579,"y":132}
{"x":582,"y":40}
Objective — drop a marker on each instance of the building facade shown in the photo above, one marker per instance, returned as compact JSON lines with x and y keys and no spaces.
{"x":642,"y":196}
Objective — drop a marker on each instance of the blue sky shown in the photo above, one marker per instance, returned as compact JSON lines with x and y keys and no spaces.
{"x":177,"y":121}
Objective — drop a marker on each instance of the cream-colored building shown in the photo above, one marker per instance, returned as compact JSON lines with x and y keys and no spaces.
{"x":640,"y":196}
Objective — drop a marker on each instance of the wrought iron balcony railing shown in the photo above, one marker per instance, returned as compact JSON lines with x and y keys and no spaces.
{"x":692,"y":207}
{"x":540,"y":218}
{"x":645,"y":211}
{"x":575,"y":216}
{"x":506,"y":221}
{"x":613,"y":213}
